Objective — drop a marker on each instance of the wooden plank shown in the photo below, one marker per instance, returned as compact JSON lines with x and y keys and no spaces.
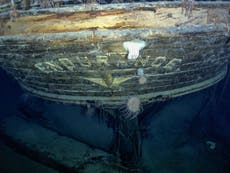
{"x":180,"y":50}
{"x":117,"y":101}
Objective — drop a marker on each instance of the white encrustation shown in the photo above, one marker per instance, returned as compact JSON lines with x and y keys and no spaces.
{"x":133,"y":47}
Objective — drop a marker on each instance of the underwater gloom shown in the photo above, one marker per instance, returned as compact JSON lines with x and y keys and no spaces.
{"x":114,"y":86}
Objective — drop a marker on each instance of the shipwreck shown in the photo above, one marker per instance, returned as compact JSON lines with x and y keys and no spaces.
{"x":117,"y":57}
{"x":105,"y":54}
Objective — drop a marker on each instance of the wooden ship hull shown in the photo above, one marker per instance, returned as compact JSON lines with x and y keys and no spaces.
{"x":77,"y":54}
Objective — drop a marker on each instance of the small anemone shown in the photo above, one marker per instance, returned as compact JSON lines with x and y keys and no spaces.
{"x":142,"y":80}
{"x":132,"y":108}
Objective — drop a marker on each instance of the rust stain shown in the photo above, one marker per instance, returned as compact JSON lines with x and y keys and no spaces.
{"x":78,"y":15}
{"x":95,"y":20}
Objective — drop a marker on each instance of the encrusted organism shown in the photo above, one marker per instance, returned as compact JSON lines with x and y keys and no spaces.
{"x":133,"y":108}
{"x":187,"y":7}
{"x":133,"y":47}
{"x":142,"y":79}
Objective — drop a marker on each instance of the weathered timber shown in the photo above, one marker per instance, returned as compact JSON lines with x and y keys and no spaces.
{"x":77,"y":55}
